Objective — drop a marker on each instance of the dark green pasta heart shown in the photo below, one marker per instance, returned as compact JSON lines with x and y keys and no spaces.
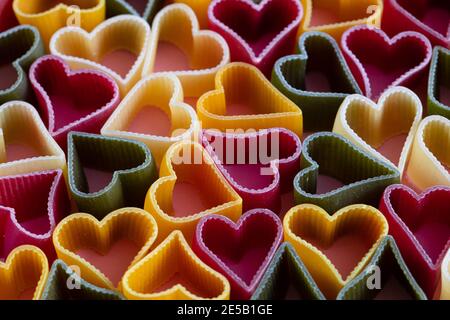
{"x":130,"y":161}
{"x":20,"y":47}
{"x":64,"y":284}
{"x":364,"y":177}
{"x":287,"y":273}
{"x":318,"y":52}
{"x":439,"y":79}
{"x":389,"y":261}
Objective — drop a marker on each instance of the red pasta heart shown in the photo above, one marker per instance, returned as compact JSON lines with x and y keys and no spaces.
{"x":420,"y":225}
{"x":259,"y":165}
{"x":429,"y":17}
{"x":68,"y":100}
{"x":30,"y":207}
{"x":257,"y":33}
{"x":241,"y":251}
{"x":379,"y":62}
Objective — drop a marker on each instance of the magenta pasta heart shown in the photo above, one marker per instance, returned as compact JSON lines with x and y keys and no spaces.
{"x":68,"y":100}
{"x":241,"y":251}
{"x":259,"y":165}
{"x":379,"y":62}
{"x":420,"y":224}
{"x":429,"y":17}
{"x":257,"y":33}
{"x":30,"y":207}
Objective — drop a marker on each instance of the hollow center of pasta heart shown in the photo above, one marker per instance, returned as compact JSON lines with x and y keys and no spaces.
{"x":69,"y":110}
{"x":38,"y":225}
{"x":444,"y":93}
{"x":327,"y":12}
{"x":317,"y":81}
{"x":26,"y":294}
{"x":8,"y":76}
{"x":292,"y":293}
{"x":433,"y":236}
{"x":151,"y":120}
{"x":17,"y":150}
{"x":97,"y":179}
{"x":113,"y":263}
{"x":393,"y":289}
{"x":383,"y":62}
{"x":170,"y":58}
{"x":381,"y":77}
{"x":181,"y":279}
{"x":241,"y":97}
{"x":251,"y":175}
{"x":120,"y":61}
{"x":392,"y":148}
{"x":257,"y":29}
{"x":190,"y":198}
{"x":345,"y":251}
{"x":241,"y":108}
{"x":433,"y":13}
{"x":138,"y":5}
{"x":327,"y":183}
{"x":244,"y":250}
